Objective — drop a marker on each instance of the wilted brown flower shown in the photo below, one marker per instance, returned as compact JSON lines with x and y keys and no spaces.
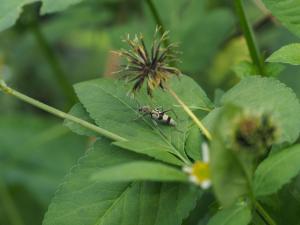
{"x":256,"y":132}
{"x":151,"y":67}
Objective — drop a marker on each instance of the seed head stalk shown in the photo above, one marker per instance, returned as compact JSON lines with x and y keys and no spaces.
{"x":190,"y":113}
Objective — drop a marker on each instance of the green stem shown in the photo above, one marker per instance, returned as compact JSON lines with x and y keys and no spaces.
{"x":264,"y":214}
{"x":59,"y":113}
{"x":249,"y":35}
{"x":54,"y":63}
{"x":158,"y":20}
{"x":9,"y":206}
{"x":191,"y":114}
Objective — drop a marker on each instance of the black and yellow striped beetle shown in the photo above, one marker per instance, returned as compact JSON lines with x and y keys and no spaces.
{"x":157,"y":115}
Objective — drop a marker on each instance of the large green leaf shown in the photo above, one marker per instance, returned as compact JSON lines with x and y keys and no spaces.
{"x":284,"y":205}
{"x":36,"y":153}
{"x":267,"y":95}
{"x":288,"y":54}
{"x":287,"y":12}
{"x":83,"y":201}
{"x":11,"y":9}
{"x":239,"y":214}
{"x":140,"y":170}
{"x":277,"y":170}
{"x":108,"y":104}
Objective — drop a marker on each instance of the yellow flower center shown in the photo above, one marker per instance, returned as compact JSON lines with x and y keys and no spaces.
{"x":201,"y":171}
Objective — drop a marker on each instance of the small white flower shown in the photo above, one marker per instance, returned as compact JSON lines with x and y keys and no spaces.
{"x":199,"y":174}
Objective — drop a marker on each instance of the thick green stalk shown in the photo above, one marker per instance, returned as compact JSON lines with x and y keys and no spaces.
{"x":249,"y":35}
{"x":157,"y":19}
{"x":58,"y":113}
{"x":54,"y":63}
{"x":9,"y":205}
{"x":262,"y":212}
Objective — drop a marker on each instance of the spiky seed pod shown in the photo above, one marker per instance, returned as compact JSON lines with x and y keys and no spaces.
{"x":147,"y":66}
{"x":256,"y":132}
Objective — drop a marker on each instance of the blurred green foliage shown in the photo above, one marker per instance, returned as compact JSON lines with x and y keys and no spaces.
{"x":36,"y":151}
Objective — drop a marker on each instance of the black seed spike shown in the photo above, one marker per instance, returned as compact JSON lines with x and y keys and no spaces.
{"x":154,"y":68}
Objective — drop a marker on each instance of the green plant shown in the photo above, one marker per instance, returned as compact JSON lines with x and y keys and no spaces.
{"x":139,"y":172}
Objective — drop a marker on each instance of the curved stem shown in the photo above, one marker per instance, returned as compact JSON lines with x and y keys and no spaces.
{"x":58,"y":113}
{"x":191,"y":114}
{"x":249,"y":35}
{"x":158,"y":20}
{"x":9,"y":205}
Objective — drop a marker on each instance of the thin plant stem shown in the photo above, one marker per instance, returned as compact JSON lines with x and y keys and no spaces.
{"x":264,"y":214}
{"x":158,"y":20}
{"x":9,"y":205}
{"x":191,"y":114}
{"x":249,"y":35}
{"x":54,"y":63}
{"x":4,"y":88}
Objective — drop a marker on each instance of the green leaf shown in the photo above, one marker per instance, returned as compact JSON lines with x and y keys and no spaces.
{"x":35,"y":153}
{"x":288,"y":54}
{"x":140,"y":170}
{"x":202,"y":212}
{"x":273,"y":69}
{"x":83,"y":201}
{"x":79,"y":111}
{"x":239,"y":214}
{"x":210,"y":120}
{"x":108,"y":104}
{"x":217,"y":96}
{"x":287,"y":12}
{"x":147,"y":148}
{"x":245,"y":69}
{"x":269,"y":96}
{"x":276,"y":171}
{"x":231,"y":170}
{"x":10,"y":10}
{"x":51,"y":6}
{"x":193,"y":143}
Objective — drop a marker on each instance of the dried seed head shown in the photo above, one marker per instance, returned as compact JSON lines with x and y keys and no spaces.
{"x":256,"y":133}
{"x":147,"y":66}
